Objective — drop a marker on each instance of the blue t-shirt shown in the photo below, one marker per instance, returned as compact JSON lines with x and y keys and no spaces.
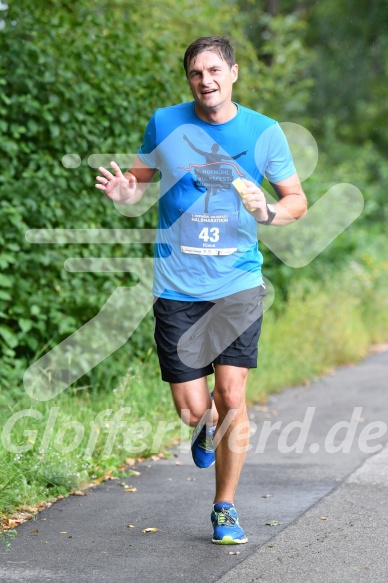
{"x":206,"y":245}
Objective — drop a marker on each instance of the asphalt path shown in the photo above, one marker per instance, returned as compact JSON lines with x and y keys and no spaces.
{"x":312,"y":500}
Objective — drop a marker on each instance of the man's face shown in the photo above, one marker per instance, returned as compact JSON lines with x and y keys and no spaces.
{"x":211,"y":80}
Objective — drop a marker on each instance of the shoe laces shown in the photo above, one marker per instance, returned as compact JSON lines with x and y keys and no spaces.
{"x":206,"y":443}
{"x":225,"y":518}
{"x":204,"y":440}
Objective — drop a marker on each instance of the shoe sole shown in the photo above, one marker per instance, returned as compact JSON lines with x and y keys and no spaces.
{"x":205,"y":467}
{"x":228,"y":540}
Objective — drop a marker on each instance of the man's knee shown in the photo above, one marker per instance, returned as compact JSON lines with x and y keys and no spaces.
{"x":192,"y":400}
{"x":229,"y":396}
{"x":229,"y":402}
{"x":194,"y":416}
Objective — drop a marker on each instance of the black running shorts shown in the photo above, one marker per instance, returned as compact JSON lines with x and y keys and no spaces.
{"x":193,"y":336}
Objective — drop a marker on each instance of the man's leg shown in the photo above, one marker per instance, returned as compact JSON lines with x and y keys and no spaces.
{"x":192,"y":400}
{"x":229,"y":398}
{"x":196,"y":408}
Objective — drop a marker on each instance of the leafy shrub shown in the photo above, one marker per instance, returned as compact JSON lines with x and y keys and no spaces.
{"x":80,"y":79}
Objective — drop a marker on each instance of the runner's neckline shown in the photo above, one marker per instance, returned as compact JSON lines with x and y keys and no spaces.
{"x":216,"y":125}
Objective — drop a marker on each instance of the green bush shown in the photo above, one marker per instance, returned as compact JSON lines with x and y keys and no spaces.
{"x":323,"y":323}
{"x":78,"y":80}
{"x":65,"y":91}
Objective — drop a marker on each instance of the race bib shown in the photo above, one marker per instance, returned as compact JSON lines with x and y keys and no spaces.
{"x":209,"y":234}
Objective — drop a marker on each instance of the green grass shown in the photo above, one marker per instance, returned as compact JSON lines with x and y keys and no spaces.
{"x":86,"y":432}
{"x":322,"y":325}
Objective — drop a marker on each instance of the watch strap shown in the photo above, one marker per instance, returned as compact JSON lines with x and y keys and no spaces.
{"x":271,"y":215}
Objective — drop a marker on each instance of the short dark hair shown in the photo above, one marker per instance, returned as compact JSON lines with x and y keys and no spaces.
{"x":218,"y":44}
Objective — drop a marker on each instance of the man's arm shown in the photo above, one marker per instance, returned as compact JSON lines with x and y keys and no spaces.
{"x":127,"y":188}
{"x":292,"y":203}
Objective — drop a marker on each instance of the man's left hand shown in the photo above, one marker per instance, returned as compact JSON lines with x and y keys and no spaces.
{"x":254,"y":201}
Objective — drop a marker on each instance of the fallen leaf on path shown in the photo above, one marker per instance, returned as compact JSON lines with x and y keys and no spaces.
{"x":63,"y":532}
{"x":323,"y":518}
{"x":128,"y":489}
{"x":130,"y":526}
{"x":233,"y":552}
{"x":145,"y":530}
{"x":273,"y":523}
{"x":10,"y":522}
{"x":26,"y":513}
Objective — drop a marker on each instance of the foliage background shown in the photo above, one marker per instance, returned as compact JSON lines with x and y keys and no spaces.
{"x":85,"y":77}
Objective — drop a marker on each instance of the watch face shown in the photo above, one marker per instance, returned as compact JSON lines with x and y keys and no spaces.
{"x":271,"y":213}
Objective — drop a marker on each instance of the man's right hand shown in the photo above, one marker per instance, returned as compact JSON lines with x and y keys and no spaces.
{"x":116,"y":186}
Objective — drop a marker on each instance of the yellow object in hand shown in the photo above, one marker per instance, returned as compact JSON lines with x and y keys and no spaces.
{"x":240,"y":186}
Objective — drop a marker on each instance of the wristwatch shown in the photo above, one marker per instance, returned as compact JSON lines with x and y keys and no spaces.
{"x":271,"y":215}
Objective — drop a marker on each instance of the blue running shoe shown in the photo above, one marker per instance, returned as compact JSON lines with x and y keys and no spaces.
{"x":227,"y":530}
{"x":202,"y":448}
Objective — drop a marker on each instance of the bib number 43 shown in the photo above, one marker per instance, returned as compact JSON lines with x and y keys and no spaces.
{"x":212,"y":235}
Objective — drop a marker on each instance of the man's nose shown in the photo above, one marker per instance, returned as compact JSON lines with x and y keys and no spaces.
{"x":206,"y":78}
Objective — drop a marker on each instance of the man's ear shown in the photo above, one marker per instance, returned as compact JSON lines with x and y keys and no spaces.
{"x":234,"y":71}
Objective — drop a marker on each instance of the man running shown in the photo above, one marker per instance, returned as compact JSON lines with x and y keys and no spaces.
{"x":208,"y":285}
